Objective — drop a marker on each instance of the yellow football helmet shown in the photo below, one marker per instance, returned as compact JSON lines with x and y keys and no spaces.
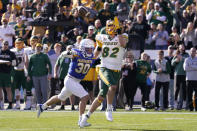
{"x":110,"y":28}
{"x":19,"y":44}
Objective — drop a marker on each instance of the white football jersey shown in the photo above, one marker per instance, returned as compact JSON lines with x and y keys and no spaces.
{"x":29,"y":52}
{"x":20,"y":56}
{"x":112,"y":53}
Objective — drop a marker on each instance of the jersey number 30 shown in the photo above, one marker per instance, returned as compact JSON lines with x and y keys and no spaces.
{"x":82,"y":68}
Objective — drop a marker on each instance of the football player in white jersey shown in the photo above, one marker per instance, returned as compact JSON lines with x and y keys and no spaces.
{"x":18,"y":74}
{"x":112,"y":48}
{"x":29,"y":51}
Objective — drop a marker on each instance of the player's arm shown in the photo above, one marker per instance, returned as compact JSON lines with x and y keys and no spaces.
{"x":26,"y":61}
{"x":98,"y":48}
{"x":69,"y":54}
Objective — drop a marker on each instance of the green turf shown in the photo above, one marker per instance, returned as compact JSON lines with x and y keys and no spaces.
{"x":124,"y":121}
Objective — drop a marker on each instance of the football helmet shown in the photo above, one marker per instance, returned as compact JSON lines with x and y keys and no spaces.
{"x":19,"y":44}
{"x":110,"y":28}
{"x":87,"y":47}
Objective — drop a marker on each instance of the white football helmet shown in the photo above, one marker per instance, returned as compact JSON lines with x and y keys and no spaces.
{"x":87,"y":47}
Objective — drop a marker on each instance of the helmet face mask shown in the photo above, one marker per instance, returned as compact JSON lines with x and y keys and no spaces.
{"x":87,"y":47}
{"x":111,"y":28}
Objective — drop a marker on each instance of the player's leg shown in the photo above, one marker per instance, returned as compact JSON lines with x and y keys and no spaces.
{"x":1,"y":99}
{"x":16,"y":85}
{"x":7,"y":85}
{"x":28,"y":88}
{"x":64,"y":94}
{"x":72,"y":102}
{"x":96,"y":103}
{"x":110,"y":78}
{"x":78,"y":90}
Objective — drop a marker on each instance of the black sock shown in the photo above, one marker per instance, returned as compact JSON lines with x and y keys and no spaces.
{"x":10,"y":103}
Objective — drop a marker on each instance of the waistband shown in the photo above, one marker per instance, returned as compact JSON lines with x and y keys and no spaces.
{"x":19,"y":69}
{"x":73,"y":78}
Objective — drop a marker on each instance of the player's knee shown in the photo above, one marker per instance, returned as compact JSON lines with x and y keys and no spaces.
{"x":100,"y":99}
{"x":28,"y":93}
{"x":17,"y":92}
{"x":61,"y":97}
{"x":85,"y":98}
{"x":113,"y":88}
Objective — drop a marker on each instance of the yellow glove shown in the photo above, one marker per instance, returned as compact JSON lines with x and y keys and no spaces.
{"x":99,"y":43}
{"x":116,"y":22}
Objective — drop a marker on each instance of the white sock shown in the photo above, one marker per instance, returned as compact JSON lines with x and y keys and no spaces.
{"x":28,"y":102}
{"x":1,"y":104}
{"x":89,"y":113}
{"x":18,"y":102}
{"x":44,"y":106}
{"x":109,"y":107}
{"x":80,"y":117}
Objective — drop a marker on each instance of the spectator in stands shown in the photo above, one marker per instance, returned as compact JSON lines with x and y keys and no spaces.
{"x":6,"y":32}
{"x":150,"y":8}
{"x":189,"y":36}
{"x":90,"y":34}
{"x":156,"y":15}
{"x":105,"y":14}
{"x":99,"y":5}
{"x":8,"y":13}
{"x":80,"y":23}
{"x":123,"y":10}
{"x":162,"y":70}
{"x":21,"y":30}
{"x":139,"y":29}
{"x":5,"y":70}
{"x":64,"y":42}
{"x":66,"y":16}
{"x":53,"y":56}
{"x":40,"y":69}
{"x":98,"y":26}
{"x":16,"y":6}
{"x":143,"y":70}
{"x":46,"y":39}
{"x":72,"y":35}
{"x":161,"y":37}
{"x":78,"y":40}
{"x":38,"y":11}
{"x":133,"y":11}
{"x":113,"y":7}
{"x":184,"y":19}
{"x":190,"y":66}
{"x":169,"y":58}
{"x":180,"y":76}
{"x":12,"y":20}
{"x":129,"y":70}
{"x":174,"y":38}
{"x":92,"y":13}
{"x":150,"y":43}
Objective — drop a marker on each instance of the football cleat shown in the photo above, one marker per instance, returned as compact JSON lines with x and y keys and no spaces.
{"x":17,"y":107}
{"x":108,"y":114}
{"x":9,"y":107}
{"x":40,"y":110}
{"x":143,"y":109}
{"x":83,"y":122}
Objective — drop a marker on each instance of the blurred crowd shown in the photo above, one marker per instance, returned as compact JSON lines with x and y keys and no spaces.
{"x":33,"y":29}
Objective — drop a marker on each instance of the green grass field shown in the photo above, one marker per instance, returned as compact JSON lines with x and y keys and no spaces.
{"x":123,"y":121}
